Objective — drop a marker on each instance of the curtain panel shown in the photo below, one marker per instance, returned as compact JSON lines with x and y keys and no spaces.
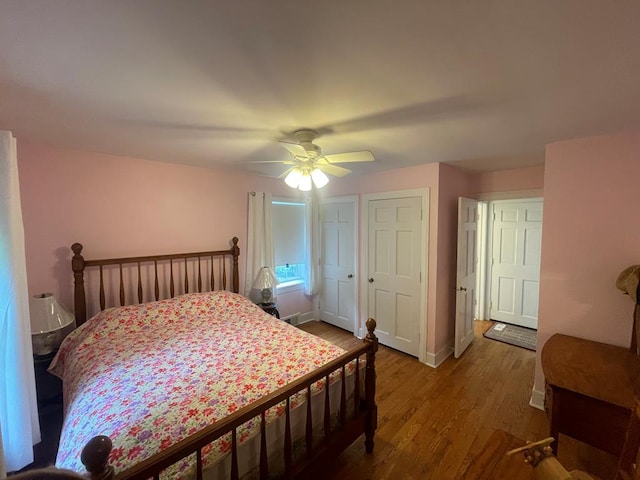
{"x":312,"y":210}
{"x":260,"y":251}
{"x":18,"y":406}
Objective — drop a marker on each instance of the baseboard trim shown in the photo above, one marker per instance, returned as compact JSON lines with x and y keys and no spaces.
{"x":537,"y":399}
{"x":306,"y":317}
{"x":435,"y":360}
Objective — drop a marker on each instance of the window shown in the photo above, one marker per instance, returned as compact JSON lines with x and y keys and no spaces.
{"x":289,"y":240}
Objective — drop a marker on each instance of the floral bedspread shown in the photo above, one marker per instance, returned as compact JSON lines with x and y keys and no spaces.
{"x":150,"y":375}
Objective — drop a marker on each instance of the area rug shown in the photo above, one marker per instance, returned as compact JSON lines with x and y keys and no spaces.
{"x":513,"y":335}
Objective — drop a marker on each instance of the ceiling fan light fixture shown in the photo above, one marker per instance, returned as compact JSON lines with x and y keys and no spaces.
{"x":293,"y":179}
{"x":319,"y":178}
{"x":305,"y":182}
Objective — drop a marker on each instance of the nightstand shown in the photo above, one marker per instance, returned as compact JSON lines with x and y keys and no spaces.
{"x":49,"y":396}
{"x":270,"y":308}
{"x":48,"y":386}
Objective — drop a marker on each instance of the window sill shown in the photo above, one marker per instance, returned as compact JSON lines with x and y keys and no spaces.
{"x":289,"y":287}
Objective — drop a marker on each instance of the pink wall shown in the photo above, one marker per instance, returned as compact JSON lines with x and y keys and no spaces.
{"x":591,"y":233}
{"x":125,"y":206}
{"x":519,"y":179}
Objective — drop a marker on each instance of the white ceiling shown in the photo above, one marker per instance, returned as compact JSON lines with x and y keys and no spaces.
{"x":480,"y":84}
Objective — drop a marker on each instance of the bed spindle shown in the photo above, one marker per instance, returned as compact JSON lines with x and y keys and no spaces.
{"x":199,"y":464}
{"x":356,"y":390}
{"x":264,"y":462}
{"x":343,"y":399}
{"x":121,"y":288}
{"x":186,"y":277}
{"x":199,"y":277}
{"x":288,"y":454}
{"x":102,"y":297}
{"x":234,"y":455}
{"x":171,"y":289}
{"x":213,"y":281}
{"x":327,"y":409}
{"x":156,"y":286}
{"x":224,"y":275}
{"x":309,"y":426}
{"x":139,"y":284}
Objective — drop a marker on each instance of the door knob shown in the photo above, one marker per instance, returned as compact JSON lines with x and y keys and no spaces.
{"x":461,"y":289}
{"x":350,"y":275}
{"x":370,"y":280}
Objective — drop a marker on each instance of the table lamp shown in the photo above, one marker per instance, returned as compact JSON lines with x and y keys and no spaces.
{"x":50,"y":323}
{"x":265,"y":282}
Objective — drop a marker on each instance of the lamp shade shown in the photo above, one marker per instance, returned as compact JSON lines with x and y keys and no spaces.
{"x":305,"y":182}
{"x":293,"y":179}
{"x":319,"y":178}
{"x":50,"y":323}
{"x":265,"y":281}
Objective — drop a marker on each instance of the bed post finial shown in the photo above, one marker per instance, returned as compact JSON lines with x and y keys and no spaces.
{"x":371,"y":419}
{"x":235,"y":276}
{"x":79,"y":302}
{"x":95,"y":458}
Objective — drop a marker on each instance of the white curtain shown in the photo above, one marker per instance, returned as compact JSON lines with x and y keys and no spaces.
{"x":18,"y":408}
{"x":312,"y":280}
{"x":259,"y":238}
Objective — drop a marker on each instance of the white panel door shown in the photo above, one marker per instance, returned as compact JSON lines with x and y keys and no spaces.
{"x":515,"y":269}
{"x":467,"y":263}
{"x":393,"y":271}
{"x":337,"y":263}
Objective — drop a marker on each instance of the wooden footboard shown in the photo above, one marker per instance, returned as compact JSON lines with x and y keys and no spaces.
{"x":363,"y":420}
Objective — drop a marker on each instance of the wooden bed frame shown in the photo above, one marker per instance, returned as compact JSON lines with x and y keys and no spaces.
{"x":362,"y":420}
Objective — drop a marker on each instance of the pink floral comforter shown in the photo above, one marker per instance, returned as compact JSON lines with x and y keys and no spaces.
{"x":150,"y":375}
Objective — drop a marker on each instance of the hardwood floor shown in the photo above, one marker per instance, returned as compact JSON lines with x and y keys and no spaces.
{"x":433,"y":422}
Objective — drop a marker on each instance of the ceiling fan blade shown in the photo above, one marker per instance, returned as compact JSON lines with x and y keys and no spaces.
{"x":333,"y":170}
{"x":285,"y":173}
{"x":351,"y":157}
{"x":284,"y":162}
{"x":296,"y":150}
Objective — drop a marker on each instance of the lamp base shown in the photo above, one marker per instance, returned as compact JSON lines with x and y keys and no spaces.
{"x":48,"y":342}
{"x":270,"y":308}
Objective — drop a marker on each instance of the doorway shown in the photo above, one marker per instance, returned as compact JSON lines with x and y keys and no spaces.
{"x":515,"y":240}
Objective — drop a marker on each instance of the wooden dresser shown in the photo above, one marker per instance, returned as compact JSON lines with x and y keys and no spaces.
{"x":589,"y":390}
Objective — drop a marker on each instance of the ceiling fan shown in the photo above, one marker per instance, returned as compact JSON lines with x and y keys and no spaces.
{"x":310,"y":165}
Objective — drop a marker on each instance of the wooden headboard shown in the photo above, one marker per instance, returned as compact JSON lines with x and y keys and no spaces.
{"x":79,"y":264}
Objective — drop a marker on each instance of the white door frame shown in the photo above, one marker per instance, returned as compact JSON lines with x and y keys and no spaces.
{"x":489,"y":248}
{"x":424,"y":262}
{"x":483,"y":259}
{"x":353,"y":199}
